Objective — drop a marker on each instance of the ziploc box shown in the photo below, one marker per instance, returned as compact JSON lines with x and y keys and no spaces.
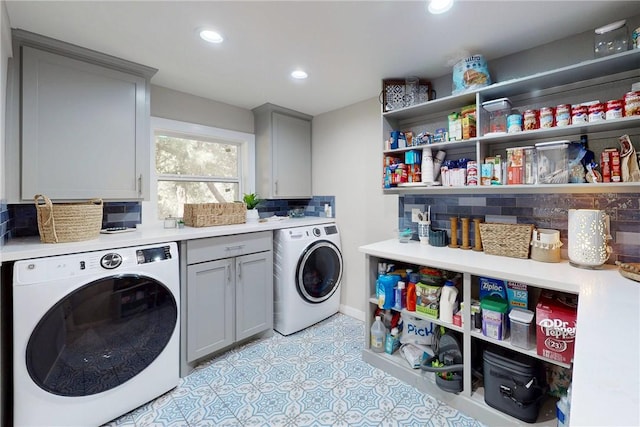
{"x":492,"y":287}
{"x":556,"y":316}
{"x":517,"y":295}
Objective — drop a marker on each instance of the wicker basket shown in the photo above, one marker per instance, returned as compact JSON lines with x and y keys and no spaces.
{"x":510,"y":240}
{"x":208,"y":214}
{"x":68,"y":222}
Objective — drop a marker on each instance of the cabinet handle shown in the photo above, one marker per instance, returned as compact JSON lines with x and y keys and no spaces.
{"x":233,"y":248}
{"x":140,"y":185}
{"x":239,"y":267}
{"x":276,"y":187}
{"x":228,"y":275}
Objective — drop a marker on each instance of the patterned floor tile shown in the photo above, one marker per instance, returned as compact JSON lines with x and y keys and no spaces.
{"x":315,"y":377}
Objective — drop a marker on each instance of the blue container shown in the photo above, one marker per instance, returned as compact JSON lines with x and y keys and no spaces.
{"x":386,"y":292}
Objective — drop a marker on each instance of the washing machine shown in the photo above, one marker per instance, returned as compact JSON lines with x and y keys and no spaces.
{"x":95,"y":334}
{"x":307,"y":274}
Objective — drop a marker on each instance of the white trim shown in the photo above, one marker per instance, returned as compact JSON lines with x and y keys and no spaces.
{"x":247,"y":142}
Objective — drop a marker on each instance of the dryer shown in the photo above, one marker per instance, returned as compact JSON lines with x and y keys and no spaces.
{"x":307,"y":276}
{"x":95,"y":334}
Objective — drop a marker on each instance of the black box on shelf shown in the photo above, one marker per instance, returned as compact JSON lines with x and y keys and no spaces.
{"x":513,"y":384}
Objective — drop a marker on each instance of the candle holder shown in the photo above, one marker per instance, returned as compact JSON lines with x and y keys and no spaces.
{"x":476,"y":235}
{"x":465,"y":234}
{"x":454,"y":232}
{"x":588,"y":238}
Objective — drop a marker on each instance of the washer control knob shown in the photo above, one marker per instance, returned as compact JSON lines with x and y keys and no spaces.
{"x":316,"y":232}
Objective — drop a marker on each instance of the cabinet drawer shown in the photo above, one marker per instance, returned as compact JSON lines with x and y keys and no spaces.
{"x":212,"y":248}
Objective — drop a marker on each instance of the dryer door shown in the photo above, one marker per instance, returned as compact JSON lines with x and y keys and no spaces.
{"x":319,"y":271}
{"x":101,"y":335}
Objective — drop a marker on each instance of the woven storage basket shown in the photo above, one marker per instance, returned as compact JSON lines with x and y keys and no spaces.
{"x":510,"y":240}
{"x":208,"y":214}
{"x":68,"y":222}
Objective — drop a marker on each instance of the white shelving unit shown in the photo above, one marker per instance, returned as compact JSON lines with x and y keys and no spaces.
{"x":469,"y":264}
{"x":603,"y":79}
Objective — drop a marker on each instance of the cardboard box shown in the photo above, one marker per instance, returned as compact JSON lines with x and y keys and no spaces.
{"x":556,"y":315}
{"x":492,"y":287}
{"x":517,"y":295}
{"x":428,"y":299}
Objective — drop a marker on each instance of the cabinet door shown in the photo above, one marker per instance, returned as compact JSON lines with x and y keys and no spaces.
{"x":83,"y":129}
{"x":210,"y":307}
{"x":291,"y":156}
{"x":254,"y":294}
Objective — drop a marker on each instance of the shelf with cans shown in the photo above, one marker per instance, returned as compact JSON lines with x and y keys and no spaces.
{"x":597,"y":101}
{"x":491,"y":319}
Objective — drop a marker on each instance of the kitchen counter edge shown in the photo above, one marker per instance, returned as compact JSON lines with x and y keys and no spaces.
{"x":31,"y":247}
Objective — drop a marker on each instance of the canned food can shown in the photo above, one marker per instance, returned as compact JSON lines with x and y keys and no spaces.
{"x":547,"y":117}
{"x":596,"y":112}
{"x":632,"y":104}
{"x":614,"y":164}
{"x":605,"y":166}
{"x":563,"y":115}
{"x":579,"y":114}
{"x":514,"y":123}
{"x":531,"y":120}
{"x":614,"y":109}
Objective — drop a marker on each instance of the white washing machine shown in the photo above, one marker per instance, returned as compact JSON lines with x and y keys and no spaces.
{"x":307,"y":274}
{"x":95,"y":334}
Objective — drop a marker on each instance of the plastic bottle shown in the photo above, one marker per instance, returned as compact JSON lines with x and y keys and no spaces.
{"x":378,"y":334}
{"x":563,"y":409}
{"x":400,"y":297}
{"x":448,"y":301}
{"x":386,"y":292}
{"x":411,"y":297}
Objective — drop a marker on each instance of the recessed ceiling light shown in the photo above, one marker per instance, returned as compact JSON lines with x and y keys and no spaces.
{"x":439,"y":6}
{"x":299,"y":74}
{"x":211,"y":36}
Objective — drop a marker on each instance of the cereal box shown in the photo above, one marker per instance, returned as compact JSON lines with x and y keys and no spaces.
{"x":556,"y":315}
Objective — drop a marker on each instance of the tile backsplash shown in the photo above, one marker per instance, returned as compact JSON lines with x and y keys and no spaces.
{"x":20,"y":220}
{"x":542,"y":210}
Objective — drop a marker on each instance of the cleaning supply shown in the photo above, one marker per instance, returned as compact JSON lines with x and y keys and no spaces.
{"x":448,"y":301}
{"x":563,"y":409}
{"x":411,"y":296}
{"x":392,"y":342}
{"x":386,"y":285}
{"x":378,"y":334}
{"x":400,"y":297}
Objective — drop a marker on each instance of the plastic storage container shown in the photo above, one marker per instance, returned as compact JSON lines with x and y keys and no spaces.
{"x":553,"y":162}
{"x":610,"y":39}
{"x":520,"y":328}
{"x":494,"y":317}
{"x":498,"y":110}
{"x":448,"y":301}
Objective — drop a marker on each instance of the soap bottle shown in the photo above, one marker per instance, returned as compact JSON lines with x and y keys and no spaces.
{"x":378,"y":334}
{"x":411,"y":297}
{"x":401,"y":296}
{"x":448,"y":301}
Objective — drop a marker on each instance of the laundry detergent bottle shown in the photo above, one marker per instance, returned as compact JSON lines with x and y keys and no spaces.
{"x":378,"y":334}
{"x":448,"y":301}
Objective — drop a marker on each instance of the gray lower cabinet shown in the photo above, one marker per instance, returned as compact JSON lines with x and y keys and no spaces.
{"x":227,"y":293}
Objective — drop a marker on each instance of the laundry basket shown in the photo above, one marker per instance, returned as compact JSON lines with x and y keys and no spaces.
{"x":68,"y":222}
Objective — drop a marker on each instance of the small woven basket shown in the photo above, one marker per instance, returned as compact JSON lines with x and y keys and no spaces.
{"x":510,"y":240}
{"x":68,"y":222}
{"x":209,"y":214}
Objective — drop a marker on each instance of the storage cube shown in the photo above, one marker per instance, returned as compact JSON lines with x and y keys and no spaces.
{"x":520,"y":322}
{"x":553,"y":162}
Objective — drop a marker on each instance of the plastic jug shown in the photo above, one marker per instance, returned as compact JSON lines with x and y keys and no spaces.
{"x":563,"y":409}
{"x":378,"y":334}
{"x":386,"y":297}
{"x":448,"y":301}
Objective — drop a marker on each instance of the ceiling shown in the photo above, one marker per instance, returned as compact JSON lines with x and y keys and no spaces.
{"x":346,"y":47}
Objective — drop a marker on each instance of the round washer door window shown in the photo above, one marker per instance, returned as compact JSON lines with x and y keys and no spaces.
{"x":319,"y":271}
{"x":101,"y":335}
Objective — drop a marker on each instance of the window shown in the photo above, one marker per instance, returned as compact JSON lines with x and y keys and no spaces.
{"x":199,"y":164}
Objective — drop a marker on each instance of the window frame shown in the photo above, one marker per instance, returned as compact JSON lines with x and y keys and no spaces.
{"x":246,"y":157}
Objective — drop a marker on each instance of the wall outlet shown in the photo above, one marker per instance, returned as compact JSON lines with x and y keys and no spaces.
{"x":414,"y":214}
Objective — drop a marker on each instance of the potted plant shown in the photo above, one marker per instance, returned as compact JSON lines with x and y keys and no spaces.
{"x":252,"y":201}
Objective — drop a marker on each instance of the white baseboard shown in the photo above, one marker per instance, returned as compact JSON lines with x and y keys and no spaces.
{"x":352,"y":312}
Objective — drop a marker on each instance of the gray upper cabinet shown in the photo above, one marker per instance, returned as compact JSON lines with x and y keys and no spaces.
{"x":83,"y":123}
{"x":283,"y":153}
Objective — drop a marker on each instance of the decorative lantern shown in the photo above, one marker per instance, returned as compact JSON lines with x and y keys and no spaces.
{"x":589,"y":233}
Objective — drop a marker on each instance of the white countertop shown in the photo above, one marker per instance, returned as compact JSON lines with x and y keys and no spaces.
{"x":31,"y":247}
{"x":606,"y":368}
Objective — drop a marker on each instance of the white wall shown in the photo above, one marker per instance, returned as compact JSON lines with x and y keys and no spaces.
{"x":5,"y":54}
{"x":346,"y":163}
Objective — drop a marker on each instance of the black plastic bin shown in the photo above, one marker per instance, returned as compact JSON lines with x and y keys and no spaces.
{"x":513,"y":384}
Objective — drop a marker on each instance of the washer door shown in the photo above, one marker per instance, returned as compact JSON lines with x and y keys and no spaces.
{"x":101,"y":335}
{"x":319,"y":271}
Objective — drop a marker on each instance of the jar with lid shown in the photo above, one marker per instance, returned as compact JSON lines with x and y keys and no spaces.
{"x":611,"y":38}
